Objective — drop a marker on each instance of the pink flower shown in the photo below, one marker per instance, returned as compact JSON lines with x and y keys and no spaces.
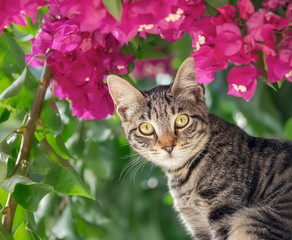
{"x":40,"y":44}
{"x":14,"y":10}
{"x":263,"y":20}
{"x":208,"y":60}
{"x":261,"y":26}
{"x":274,"y":4}
{"x":225,"y":14}
{"x":247,"y":53}
{"x":174,"y":19}
{"x":280,"y":67}
{"x":140,"y":16}
{"x":67,"y":38}
{"x":246,"y":8}
{"x":80,"y":71}
{"x":289,"y":13}
{"x":228,"y":39}
{"x":150,"y":69}
{"x":202,"y":31}
{"x":242,"y":81}
{"x":255,"y":24}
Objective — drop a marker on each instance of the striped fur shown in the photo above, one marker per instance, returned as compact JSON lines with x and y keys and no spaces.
{"x":225,"y":183}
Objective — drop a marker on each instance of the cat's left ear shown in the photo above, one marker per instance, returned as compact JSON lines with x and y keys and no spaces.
{"x":125,"y":96}
{"x":185,"y":81}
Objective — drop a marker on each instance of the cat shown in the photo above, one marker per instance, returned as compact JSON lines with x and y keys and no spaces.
{"x":225,"y":184}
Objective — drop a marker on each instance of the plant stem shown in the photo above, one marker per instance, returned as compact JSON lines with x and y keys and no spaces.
{"x":22,"y":161}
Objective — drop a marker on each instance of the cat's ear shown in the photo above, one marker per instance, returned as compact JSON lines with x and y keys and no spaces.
{"x":123,"y":94}
{"x":185,"y":81}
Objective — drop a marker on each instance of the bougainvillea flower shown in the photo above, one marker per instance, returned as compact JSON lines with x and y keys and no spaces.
{"x":228,"y":39}
{"x":242,"y":81}
{"x":278,"y":69}
{"x":255,"y":24}
{"x":202,"y":31}
{"x":149,"y":69}
{"x":247,"y":53}
{"x":176,"y":20}
{"x":208,"y":60}
{"x":14,"y":10}
{"x":225,"y":14}
{"x":66,"y":38}
{"x":246,"y":8}
{"x":289,"y":12}
{"x":40,"y":44}
{"x":263,"y":20}
{"x":274,"y":4}
{"x":140,"y":16}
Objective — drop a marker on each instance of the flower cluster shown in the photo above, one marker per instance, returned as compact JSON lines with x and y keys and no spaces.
{"x":14,"y":10}
{"x":86,"y":41}
{"x":150,"y":69}
{"x":244,"y":36}
{"x":79,"y":59}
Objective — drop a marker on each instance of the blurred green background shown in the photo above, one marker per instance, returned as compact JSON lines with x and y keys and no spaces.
{"x":132,"y":199}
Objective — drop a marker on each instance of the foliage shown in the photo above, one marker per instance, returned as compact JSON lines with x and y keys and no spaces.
{"x":82,"y":181}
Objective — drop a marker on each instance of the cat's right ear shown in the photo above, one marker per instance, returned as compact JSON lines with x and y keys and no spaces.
{"x":185,"y":83}
{"x":123,"y":94}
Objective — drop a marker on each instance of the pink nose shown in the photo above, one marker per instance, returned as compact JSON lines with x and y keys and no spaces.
{"x":168,"y":148}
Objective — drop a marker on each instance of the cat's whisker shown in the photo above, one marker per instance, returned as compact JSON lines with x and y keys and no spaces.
{"x":131,"y":164}
{"x":141,"y":165}
{"x":130,"y":155}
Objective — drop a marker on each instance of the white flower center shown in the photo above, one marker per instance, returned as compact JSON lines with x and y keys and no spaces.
{"x":145,"y":27}
{"x":174,"y":16}
{"x":201,"y":41}
{"x":289,"y":74}
{"x":87,"y":79}
{"x":240,"y":88}
{"x":120,"y":67}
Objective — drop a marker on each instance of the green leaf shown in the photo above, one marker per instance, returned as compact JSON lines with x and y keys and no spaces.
{"x":41,"y":165}
{"x":146,"y":51}
{"x":11,"y":182}
{"x":288,"y":129}
{"x":114,"y":7}
{"x":57,"y":142}
{"x":31,"y":225}
{"x":217,"y":3}
{"x":51,"y":153}
{"x":67,"y":181}
{"x":26,"y":192}
{"x":29,"y":195}
{"x":8,"y":143}
{"x":4,"y":114}
{"x":12,"y":58}
{"x":3,"y":166}
{"x":51,"y":119}
{"x":64,"y":179}
{"x":21,"y":233}
{"x":4,"y":235}
{"x":29,"y":29}
{"x":15,"y":87}
{"x":3,"y":197}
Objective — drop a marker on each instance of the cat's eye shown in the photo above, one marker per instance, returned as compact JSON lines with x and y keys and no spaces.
{"x":146,"y":128}
{"x":181,"y":121}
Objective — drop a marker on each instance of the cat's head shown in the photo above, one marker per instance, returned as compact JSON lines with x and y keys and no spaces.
{"x":167,"y":124}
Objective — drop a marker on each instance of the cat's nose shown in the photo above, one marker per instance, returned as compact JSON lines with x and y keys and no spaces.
{"x":168,"y":148}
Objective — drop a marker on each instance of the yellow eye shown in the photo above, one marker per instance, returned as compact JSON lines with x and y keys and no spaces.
{"x":146,"y":128}
{"x":181,"y":121}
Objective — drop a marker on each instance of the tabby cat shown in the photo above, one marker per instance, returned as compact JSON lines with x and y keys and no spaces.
{"x":225,"y":183}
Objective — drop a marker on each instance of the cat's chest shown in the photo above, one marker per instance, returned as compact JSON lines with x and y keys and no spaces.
{"x":193,"y":210}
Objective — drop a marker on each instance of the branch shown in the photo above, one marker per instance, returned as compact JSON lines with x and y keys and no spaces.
{"x":22,"y":161}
